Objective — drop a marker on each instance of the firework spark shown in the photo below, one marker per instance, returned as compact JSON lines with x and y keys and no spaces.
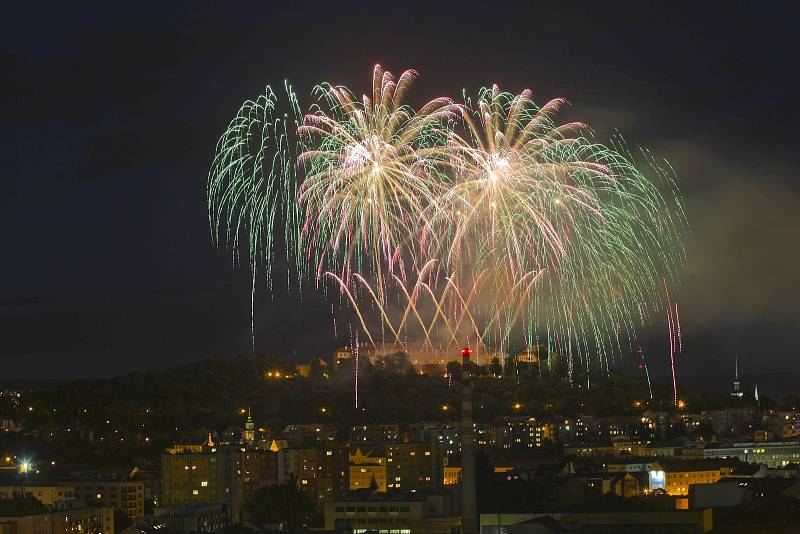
{"x":484,"y":219}
{"x":367,"y":179}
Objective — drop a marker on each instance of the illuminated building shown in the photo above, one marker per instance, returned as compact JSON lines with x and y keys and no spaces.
{"x":630,"y":466}
{"x":121,"y":494}
{"x":259,"y":468}
{"x":321,"y":472}
{"x":47,"y":494}
{"x":194,"y":517}
{"x":308,"y":435}
{"x":448,"y":435}
{"x":299,"y":463}
{"x":304,"y":369}
{"x":773,"y":454}
{"x":732,"y":421}
{"x":528,"y":355}
{"x":578,"y":489}
{"x":342,"y":354}
{"x":366,"y":469}
{"x":414,"y":466}
{"x":524,"y":432}
{"x":332,"y":471}
{"x":783,"y":424}
{"x":432,"y":369}
{"x":375,"y":434}
{"x":674,"y":521}
{"x":27,"y":516}
{"x":126,"y":495}
{"x":387,"y":514}
{"x":452,"y":475}
{"x":675,"y":477}
{"x":211,"y":476}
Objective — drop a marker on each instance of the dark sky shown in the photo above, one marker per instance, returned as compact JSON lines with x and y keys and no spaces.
{"x":110,"y":117}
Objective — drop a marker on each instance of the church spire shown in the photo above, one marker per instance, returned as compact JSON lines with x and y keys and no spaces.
{"x":249,"y":434}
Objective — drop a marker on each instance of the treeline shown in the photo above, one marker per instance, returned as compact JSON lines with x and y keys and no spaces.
{"x":135,"y":416}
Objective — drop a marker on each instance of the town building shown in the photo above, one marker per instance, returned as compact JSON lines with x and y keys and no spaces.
{"x":774,"y":454}
{"x":322,"y":472}
{"x":208,"y":477}
{"x":729,"y":422}
{"x":375,"y":434}
{"x":367,"y":470}
{"x":28,"y":516}
{"x":677,"y":476}
{"x":308,"y":435}
{"x":521,"y":432}
{"x":193,"y":517}
{"x":695,"y":522}
{"x":393,"y":514}
{"x":414,"y":467}
{"x":121,"y":494}
{"x":259,"y":468}
{"x":46,"y":493}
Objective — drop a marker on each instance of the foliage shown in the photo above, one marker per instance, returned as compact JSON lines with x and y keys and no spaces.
{"x":121,"y":520}
{"x":129,"y":420}
{"x":283,"y":503}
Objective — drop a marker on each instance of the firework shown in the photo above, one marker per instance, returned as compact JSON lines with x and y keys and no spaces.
{"x":252,"y":182}
{"x":534,"y":200}
{"x":485,"y":220}
{"x":367,"y":176}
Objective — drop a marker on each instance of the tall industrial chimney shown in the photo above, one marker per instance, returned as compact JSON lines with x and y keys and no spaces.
{"x":469,"y":506}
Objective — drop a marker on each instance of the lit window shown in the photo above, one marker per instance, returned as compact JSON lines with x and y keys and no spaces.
{"x":204,"y":483}
{"x":195,"y":492}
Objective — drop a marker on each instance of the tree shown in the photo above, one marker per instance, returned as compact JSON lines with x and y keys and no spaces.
{"x":315,"y":370}
{"x":121,"y":520}
{"x":283,"y":503}
{"x":454,"y":370}
{"x":495,"y":367}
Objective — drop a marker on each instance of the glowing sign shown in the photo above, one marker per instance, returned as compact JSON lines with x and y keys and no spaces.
{"x":656,"y":480}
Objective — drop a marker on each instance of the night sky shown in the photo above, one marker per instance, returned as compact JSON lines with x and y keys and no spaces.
{"x":110,"y":117}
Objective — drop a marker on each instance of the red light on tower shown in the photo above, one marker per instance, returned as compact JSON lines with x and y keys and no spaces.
{"x":640,"y":352}
{"x":466,"y":353}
